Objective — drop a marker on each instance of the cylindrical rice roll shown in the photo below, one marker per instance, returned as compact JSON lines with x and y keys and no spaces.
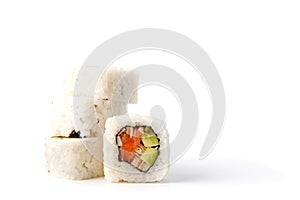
{"x":74,"y":158}
{"x":116,"y":88}
{"x":136,"y":149}
{"x":66,"y":117}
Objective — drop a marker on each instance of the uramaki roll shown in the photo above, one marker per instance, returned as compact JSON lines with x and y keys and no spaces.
{"x":136,"y":149}
{"x":74,"y":158}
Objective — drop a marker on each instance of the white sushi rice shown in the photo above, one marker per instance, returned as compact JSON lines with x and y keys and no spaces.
{"x":112,"y":94}
{"x":62,"y":120}
{"x":68,"y":157}
{"x":118,"y":82}
{"x":67,"y":118}
{"x":74,"y":158}
{"x":116,"y":88}
{"x":116,"y":171}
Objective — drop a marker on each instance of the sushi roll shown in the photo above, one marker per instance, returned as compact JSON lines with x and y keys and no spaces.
{"x":74,"y":148}
{"x":119,"y":83}
{"x":74,"y":158}
{"x":136,"y":149}
{"x":116,"y":88}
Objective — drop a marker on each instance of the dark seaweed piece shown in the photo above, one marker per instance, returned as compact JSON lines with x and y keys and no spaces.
{"x":74,"y":134}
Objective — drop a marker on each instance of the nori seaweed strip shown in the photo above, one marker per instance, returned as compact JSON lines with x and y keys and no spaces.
{"x":74,"y":134}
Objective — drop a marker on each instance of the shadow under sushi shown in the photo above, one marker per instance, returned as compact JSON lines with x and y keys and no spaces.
{"x":222,"y":171}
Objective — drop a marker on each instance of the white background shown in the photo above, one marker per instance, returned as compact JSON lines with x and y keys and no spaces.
{"x":255,"y":46}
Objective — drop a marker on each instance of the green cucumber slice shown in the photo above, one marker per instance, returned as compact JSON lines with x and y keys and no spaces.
{"x":149,"y":156}
{"x":149,"y":138}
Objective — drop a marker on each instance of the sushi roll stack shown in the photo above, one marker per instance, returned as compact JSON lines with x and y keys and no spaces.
{"x":74,"y":149}
{"x":136,"y":149}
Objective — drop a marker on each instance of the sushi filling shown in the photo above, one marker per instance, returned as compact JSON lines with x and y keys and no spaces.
{"x":138,"y":146}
